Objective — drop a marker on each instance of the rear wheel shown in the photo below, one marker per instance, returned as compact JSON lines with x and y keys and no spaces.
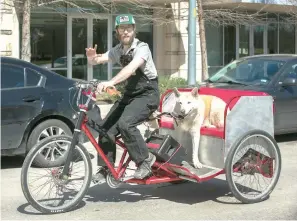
{"x":49,"y":156}
{"x":253,"y":167}
{"x":53,"y":193}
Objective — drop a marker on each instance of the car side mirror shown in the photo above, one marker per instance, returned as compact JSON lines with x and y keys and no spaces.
{"x":289,"y":82}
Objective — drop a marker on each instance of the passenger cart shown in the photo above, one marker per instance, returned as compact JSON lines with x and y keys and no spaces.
{"x":244,"y":150}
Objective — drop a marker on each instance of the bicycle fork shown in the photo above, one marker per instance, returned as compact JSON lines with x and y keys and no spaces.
{"x":74,"y":142}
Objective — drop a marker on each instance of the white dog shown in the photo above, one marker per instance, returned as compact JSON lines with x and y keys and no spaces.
{"x":198,"y":110}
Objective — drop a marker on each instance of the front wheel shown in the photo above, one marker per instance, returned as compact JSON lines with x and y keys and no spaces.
{"x":253,"y":166}
{"x":45,"y":189}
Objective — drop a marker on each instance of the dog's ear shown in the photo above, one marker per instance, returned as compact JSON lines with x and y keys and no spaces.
{"x":195,"y":91}
{"x":176,"y":92}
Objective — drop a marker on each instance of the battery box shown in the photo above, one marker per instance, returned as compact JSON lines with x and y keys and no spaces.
{"x":166,"y":148}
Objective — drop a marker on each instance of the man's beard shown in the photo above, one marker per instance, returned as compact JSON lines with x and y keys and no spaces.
{"x":128,"y":42}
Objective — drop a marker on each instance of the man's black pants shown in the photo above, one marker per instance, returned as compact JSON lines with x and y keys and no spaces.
{"x":123,"y":118}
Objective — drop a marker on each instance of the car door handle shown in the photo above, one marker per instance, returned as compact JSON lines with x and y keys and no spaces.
{"x":31,"y":99}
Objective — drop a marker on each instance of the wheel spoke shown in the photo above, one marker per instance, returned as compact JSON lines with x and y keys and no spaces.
{"x":60,"y":131}
{"x":45,"y":133}
{"x":47,"y":153}
{"x":53,"y":154}
{"x":64,"y":147}
{"x":51,"y":131}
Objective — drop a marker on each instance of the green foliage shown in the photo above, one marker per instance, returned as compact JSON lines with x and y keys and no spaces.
{"x":165,"y":83}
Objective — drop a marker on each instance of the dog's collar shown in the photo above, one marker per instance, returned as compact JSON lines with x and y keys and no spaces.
{"x":181,"y":117}
{"x":177,"y":116}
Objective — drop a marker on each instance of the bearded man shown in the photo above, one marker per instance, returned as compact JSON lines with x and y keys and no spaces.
{"x":140,"y":99}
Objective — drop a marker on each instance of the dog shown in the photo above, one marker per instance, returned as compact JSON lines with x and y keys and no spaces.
{"x":198,"y":111}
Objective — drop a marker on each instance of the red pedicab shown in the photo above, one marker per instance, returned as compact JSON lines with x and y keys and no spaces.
{"x":244,"y":147}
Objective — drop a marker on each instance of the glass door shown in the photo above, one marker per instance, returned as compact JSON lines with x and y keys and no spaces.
{"x":85,"y":31}
{"x":79,"y":43}
{"x":100,"y":37}
{"x":244,"y":41}
{"x":258,"y":39}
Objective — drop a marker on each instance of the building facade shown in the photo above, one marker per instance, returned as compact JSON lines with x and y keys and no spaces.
{"x":60,"y":33}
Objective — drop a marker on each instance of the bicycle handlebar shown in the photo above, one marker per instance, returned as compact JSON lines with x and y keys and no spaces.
{"x":90,"y":88}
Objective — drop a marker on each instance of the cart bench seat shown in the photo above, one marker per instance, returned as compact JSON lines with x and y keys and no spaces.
{"x":214,"y":132}
{"x":168,"y":123}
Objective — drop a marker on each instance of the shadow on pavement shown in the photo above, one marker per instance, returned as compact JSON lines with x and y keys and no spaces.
{"x":22,"y":209}
{"x":286,"y":138}
{"x":17,"y":161}
{"x":12,"y":162}
{"x":186,"y":193}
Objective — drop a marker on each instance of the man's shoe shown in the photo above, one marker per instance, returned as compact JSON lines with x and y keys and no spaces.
{"x":100,"y":176}
{"x":145,"y":168}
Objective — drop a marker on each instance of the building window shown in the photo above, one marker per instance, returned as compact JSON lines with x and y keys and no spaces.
{"x":272,"y":38}
{"x":286,"y":38}
{"x":229,"y":44}
{"x":214,"y":44}
{"x":244,"y":40}
{"x":48,"y":41}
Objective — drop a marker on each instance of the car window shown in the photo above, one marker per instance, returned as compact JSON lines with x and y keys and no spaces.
{"x":249,"y":71}
{"x":290,"y":72}
{"x":32,"y":77}
{"x":12,"y":76}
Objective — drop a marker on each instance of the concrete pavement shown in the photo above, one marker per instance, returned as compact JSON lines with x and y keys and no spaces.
{"x":209,"y":200}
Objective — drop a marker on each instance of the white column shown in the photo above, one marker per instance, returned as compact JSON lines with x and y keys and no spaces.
{"x":265,"y":43}
{"x":251,"y":42}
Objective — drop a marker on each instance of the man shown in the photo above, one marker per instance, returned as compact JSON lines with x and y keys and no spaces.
{"x":140,"y":99}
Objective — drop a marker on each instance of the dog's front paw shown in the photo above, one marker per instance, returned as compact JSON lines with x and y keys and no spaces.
{"x":197,"y":164}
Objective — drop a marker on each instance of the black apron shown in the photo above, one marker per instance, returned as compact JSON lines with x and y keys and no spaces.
{"x":139,"y":83}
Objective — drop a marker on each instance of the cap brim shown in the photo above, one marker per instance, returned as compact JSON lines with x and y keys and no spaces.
{"x":126,"y":23}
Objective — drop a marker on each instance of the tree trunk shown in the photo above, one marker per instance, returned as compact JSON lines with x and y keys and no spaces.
{"x":26,"y":44}
{"x":202,"y":41}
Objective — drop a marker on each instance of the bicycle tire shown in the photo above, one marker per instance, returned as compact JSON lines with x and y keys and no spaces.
{"x":228,"y":166}
{"x":28,"y":160}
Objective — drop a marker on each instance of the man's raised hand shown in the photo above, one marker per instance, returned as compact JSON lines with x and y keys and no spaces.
{"x":91,"y":52}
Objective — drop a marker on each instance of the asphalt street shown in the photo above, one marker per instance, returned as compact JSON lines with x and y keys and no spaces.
{"x":208,"y":200}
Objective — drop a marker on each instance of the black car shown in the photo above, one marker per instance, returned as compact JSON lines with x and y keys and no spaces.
{"x":274,"y":74}
{"x":35,"y":103}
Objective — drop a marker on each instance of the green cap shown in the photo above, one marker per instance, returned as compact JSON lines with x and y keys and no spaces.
{"x":125,"y":19}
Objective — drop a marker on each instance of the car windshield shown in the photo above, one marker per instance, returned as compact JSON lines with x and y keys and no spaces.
{"x":248,"y":71}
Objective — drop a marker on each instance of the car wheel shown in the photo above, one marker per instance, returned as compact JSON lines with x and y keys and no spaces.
{"x":53,"y":155}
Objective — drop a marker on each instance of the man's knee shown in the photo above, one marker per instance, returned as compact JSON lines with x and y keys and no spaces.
{"x":124,"y":124}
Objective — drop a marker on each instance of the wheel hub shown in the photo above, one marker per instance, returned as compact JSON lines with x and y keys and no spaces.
{"x":58,"y":178}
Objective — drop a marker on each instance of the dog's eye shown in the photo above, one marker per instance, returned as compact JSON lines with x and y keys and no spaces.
{"x":189,"y":102}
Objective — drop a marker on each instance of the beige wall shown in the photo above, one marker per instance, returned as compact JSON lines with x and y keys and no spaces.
{"x":171,"y":42}
{"x":9,"y":37}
